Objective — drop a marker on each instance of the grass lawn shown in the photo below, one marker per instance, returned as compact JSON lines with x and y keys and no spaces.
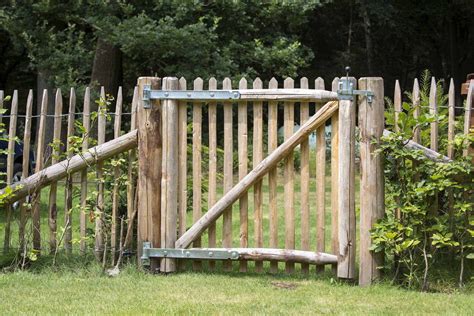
{"x":84,"y":290}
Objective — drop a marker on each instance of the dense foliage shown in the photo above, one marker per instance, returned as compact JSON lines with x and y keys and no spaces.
{"x":429,"y":204}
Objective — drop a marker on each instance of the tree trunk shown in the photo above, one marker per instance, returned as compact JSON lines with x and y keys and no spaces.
{"x":368,"y":36}
{"x":107,"y":67}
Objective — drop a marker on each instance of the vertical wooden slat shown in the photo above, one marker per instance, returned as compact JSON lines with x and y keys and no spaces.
{"x":228,"y":172}
{"x":433,"y":111}
{"x":257,"y":157}
{"x":334,"y":179}
{"x":468,"y":116}
{"x":182,"y":158}
{"x":347,"y":233}
{"x":372,"y":203}
{"x":212,"y":187}
{"x":25,"y":166}
{"x":149,"y":169}
{"x":131,"y":176}
{"x":69,"y":178}
{"x":197,"y":165}
{"x":86,"y":121}
{"x":99,"y":221}
{"x":10,"y":166}
{"x":289,"y":178}
{"x":397,"y":104}
{"x":305,"y":178}
{"x":273,"y":174}
{"x":2,"y":96}
{"x":169,"y":181}
{"x":243,"y":169}
{"x":320,"y":184}
{"x":53,"y":188}
{"x":115,"y":190}
{"x":417,"y":111}
{"x":36,"y":197}
{"x":451,"y":118}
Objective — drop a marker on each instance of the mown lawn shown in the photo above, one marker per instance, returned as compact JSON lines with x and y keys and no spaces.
{"x":84,"y":290}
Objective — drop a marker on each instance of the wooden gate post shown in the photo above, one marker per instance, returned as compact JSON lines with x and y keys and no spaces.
{"x":169,"y":177}
{"x":346,"y":175}
{"x":149,"y":169}
{"x":372,"y":208}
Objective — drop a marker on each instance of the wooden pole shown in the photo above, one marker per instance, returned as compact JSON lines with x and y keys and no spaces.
{"x":69,"y":178}
{"x":256,"y":174}
{"x":212,"y":197}
{"x":169,"y":180}
{"x":197,"y":164}
{"x":257,"y":157}
{"x":10,"y":167}
{"x":182,"y":164}
{"x":469,"y":118}
{"x":305,"y":180}
{"x":78,"y":162}
{"x":334,"y":180}
{"x":451,"y":119}
{"x":115,"y":190}
{"x":86,"y":123}
{"x":228,"y":172}
{"x":289,"y":177}
{"x":149,"y":169}
{"x":346,"y":173}
{"x":320,"y":184}
{"x":243,"y":169}
{"x":36,"y":195}
{"x":25,"y":167}
{"x":53,"y":189}
{"x":372,"y":202}
{"x":273,"y":174}
{"x":132,"y":177}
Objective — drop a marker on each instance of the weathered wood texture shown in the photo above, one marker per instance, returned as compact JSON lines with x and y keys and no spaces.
{"x":256,"y":174}
{"x":169,"y":179}
{"x":86,"y":123}
{"x":372,"y":202}
{"x":289,"y":177}
{"x":242,"y":137}
{"x":149,"y":169}
{"x":100,"y":217}
{"x":334,"y":180}
{"x":346,"y":174}
{"x":305,"y":178}
{"x":69,"y":187}
{"x":273,"y":173}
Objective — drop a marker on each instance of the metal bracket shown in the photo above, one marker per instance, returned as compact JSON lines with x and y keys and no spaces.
{"x":204,"y":254}
{"x":149,"y":94}
{"x":346,"y":89}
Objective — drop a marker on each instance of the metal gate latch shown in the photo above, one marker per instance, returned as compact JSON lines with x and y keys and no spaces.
{"x":346,"y":91}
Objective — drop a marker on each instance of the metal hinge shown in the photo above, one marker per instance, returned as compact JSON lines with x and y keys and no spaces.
{"x":149,"y":94}
{"x":204,"y":254}
{"x":346,"y":91}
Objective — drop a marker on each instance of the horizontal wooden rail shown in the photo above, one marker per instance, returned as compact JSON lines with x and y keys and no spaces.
{"x":74,"y":164}
{"x":287,"y":94}
{"x":429,"y":153}
{"x":257,"y":173}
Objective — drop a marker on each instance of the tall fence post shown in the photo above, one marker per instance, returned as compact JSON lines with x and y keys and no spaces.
{"x":169,"y":179}
{"x":149,"y":169}
{"x":372,"y":208}
{"x":346,"y":198}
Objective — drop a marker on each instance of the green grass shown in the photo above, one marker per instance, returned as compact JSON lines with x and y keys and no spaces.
{"x":84,"y":290}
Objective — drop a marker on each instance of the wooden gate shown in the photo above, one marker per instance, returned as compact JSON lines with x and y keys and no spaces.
{"x":166,"y":155}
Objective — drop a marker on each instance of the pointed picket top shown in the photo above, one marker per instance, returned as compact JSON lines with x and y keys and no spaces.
{"x":118,"y":110}
{"x":182,"y":83}
{"x":212,"y":83}
{"x":243,"y":83}
{"x":289,"y":83}
{"x":433,"y":88}
{"x":451,"y":119}
{"x":102,"y":92}
{"x":416,"y":93}
{"x":119,"y":95}
{"x":59,"y":98}
{"x":72,"y":99}
{"x":304,"y":83}
{"x":198,"y":83}
{"x":468,"y":111}
{"x":14,"y":101}
{"x":397,"y":97}
{"x":451,"y":92}
{"x":319,"y":84}
{"x":257,"y":83}
{"x":334,"y":84}
{"x":226,"y":84}
{"x":273,"y":84}
{"x":416,"y":113}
